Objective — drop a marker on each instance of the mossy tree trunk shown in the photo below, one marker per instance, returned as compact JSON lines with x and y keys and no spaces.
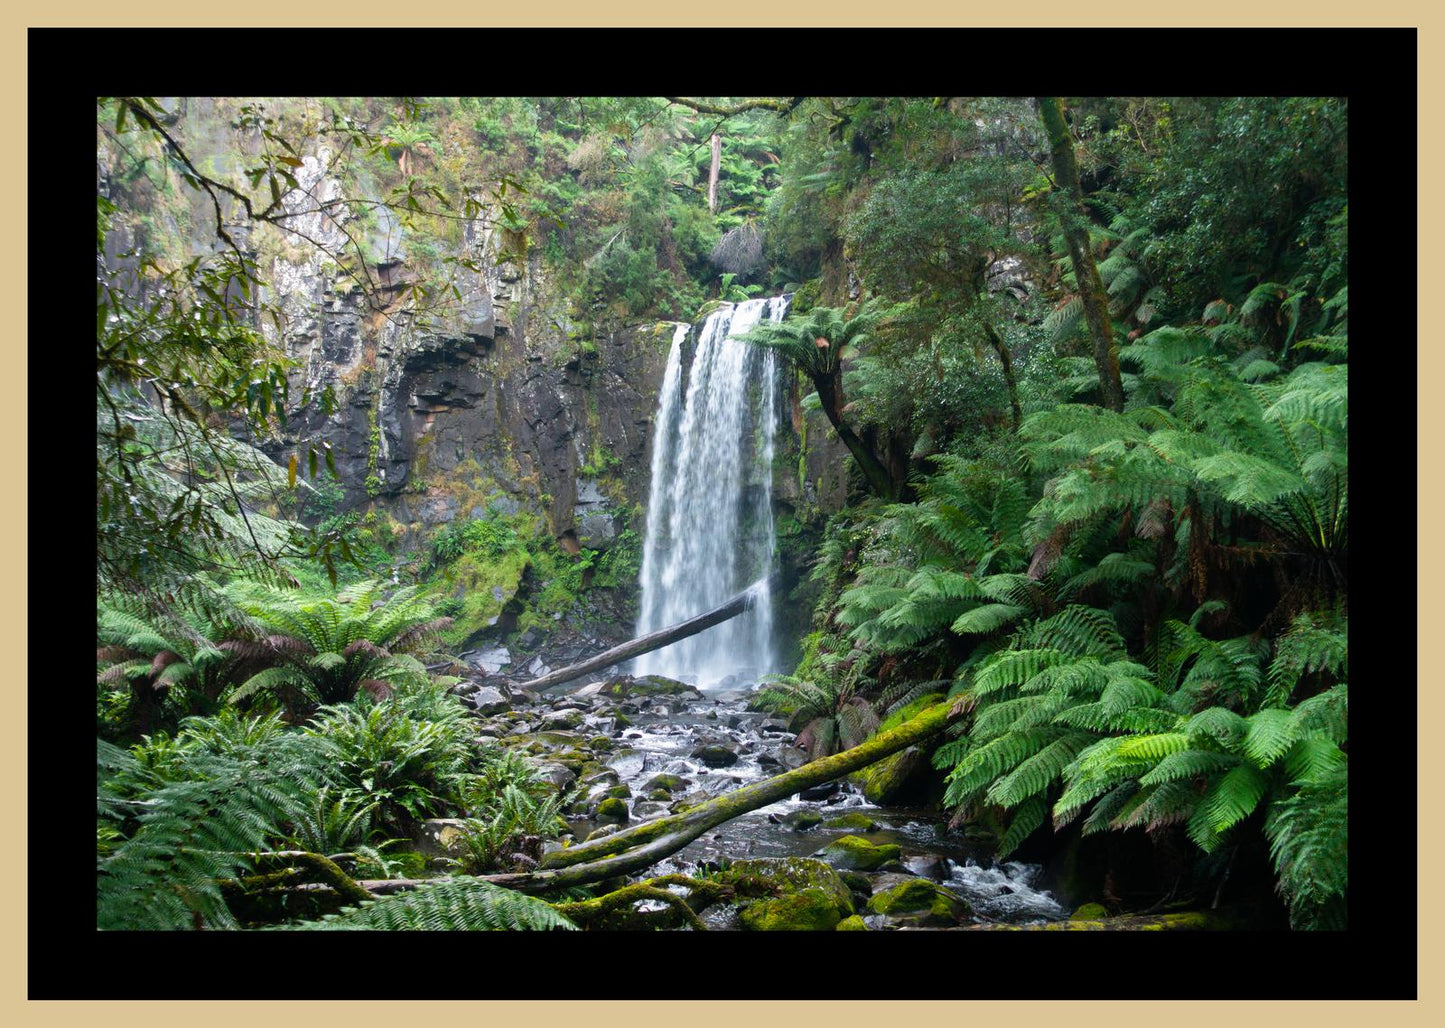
{"x":635,"y":849}
{"x":1076,"y":235}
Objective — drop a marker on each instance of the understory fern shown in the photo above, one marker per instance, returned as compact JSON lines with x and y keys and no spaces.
{"x":458,"y":905}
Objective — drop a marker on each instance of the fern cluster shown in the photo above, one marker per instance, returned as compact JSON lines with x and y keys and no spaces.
{"x":1088,"y":594}
{"x":458,"y":905}
{"x":321,"y":651}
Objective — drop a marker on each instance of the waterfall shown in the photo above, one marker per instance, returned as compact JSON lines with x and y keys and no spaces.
{"x":710,"y":513}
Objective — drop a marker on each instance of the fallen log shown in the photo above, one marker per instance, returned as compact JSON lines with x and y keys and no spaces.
{"x":634,"y":849}
{"x":656,"y":640}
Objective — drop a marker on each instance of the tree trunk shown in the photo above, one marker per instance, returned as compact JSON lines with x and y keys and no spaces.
{"x":1008,"y":372}
{"x":877,"y":475}
{"x":1086,"y":272}
{"x":634,"y":849}
{"x":653,"y":640}
{"x":713,"y":172}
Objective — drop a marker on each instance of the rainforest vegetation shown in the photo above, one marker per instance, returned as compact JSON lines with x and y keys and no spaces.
{"x":1081,"y":364}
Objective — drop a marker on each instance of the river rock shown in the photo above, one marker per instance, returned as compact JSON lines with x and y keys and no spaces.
{"x":665,"y":782}
{"x":802,"y":820}
{"x":852,"y":822}
{"x":818,"y":792}
{"x":805,"y":911}
{"x":612,"y":809}
{"x":715,"y":755}
{"x":856,"y":854}
{"x":919,"y":902}
{"x":811,"y":896}
{"x":562,"y":719}
{"x":487,"y":700}
{"x":490,"y":661}
{"x":930,"y":866}
{"x":558,"y":775}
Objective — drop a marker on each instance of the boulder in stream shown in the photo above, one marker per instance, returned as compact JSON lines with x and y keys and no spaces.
{"x":919,"y":902}
{"x":857,"y":854}
{"x":810,"y":895}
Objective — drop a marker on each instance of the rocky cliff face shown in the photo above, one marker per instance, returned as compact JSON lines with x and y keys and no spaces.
{"x":498,"y":388}
{"x":451,"y":404}
{"x":494,"y":385}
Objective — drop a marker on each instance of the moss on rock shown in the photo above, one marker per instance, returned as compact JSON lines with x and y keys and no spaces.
{"x":853,"y":822}
{"x":612,"y":809}
{"x":808,"y":910}
{"x":825,"y":899}
{"x":922,"y":902}
{"x":856,"y":854}
{"x":853,"y":923}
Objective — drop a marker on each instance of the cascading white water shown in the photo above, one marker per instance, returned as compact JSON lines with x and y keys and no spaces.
{"x":710,"y":514}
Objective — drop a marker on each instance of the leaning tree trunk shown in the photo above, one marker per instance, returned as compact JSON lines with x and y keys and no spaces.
{"x":1086,"y":272}
{"x":1001,"y":348}
{"x":653,"y":640}
{"x":879,"y":480}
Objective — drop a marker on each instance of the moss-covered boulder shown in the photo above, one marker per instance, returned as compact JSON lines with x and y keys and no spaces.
{"x":852,"y":822}
{"x":920,"y":901}
{"x":648,"y":685}
{"x":810,"y":895}
{"x":857,"y":854}
{"x":612,"y":809}
{"x":853,"y":923}
{"x":802,"y":820}
{"x":809,"y":910}
{"x":665,"y":782}
{"x":1089,"y":912}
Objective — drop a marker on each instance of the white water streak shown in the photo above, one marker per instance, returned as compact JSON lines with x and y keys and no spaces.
{"x":710,"y":517}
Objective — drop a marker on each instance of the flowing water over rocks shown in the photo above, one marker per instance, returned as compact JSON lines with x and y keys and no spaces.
{"x":626,"y":750}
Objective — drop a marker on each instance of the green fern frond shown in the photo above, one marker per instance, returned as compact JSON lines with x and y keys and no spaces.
{"x":987,"y":618}
{"x":1229,"y":800}
{"x":458,"y":905}
{"x":1313,"y":759}
{"x":1270,"y":733}
{"x":1309,"y":843}
{"x":1038,"y":772}
{"x":1013,"y":668}
{"x":1327,"y":714}
{"x":1155,"y":806}
{"x":1026,"y":820}
{"x":1189,"y":764}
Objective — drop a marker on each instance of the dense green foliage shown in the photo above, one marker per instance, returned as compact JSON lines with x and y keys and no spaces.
{"x":1145,"y":610}
{"x":1141,"y":605}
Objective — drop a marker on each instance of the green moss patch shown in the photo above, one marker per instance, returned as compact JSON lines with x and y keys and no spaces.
{"x":855,"y":854}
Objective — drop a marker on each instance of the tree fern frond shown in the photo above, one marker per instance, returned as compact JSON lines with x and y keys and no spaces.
{"x":1269,"y":734}
{"x":1030,"y":815}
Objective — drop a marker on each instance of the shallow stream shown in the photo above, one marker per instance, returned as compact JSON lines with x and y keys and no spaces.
{"x":664,"y":733}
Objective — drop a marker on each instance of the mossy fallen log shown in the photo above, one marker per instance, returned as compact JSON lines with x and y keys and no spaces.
{"x":635,"y":849}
